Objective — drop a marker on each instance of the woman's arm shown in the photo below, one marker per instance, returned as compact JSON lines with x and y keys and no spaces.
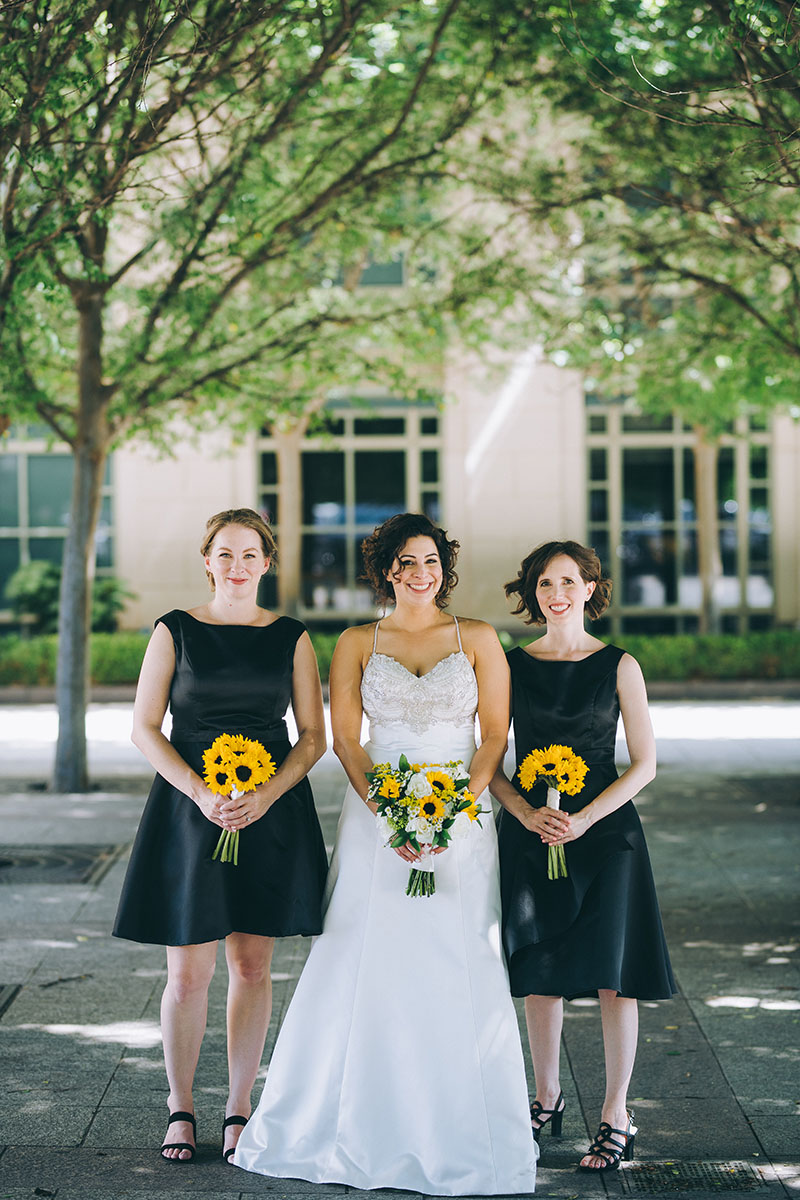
{"x":152,"y":697}
{"x":491,"y":672}
{"x":309,"y":717}
{"x":347,"y":668}
{"x":641,"y":748}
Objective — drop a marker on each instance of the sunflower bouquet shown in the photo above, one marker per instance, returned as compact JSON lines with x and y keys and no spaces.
{"x":424,"y":805}
{"x":563,"y":771}
{"x":234,"y":765}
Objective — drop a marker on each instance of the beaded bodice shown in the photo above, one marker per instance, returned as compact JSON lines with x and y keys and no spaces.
{"x":446,"y":695}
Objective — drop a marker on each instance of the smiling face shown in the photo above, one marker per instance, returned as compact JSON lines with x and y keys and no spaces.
{"x":236,"y":561}
{"x":416,"y":573}
{"x":561,"y":591}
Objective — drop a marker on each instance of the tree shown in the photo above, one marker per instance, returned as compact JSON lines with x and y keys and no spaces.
{"x":189,"y":194}
{"x":672,"y":212}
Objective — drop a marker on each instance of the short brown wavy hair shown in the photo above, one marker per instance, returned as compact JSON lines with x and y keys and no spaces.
{"x":381,"y":548}
{"x":533,"y":567}
{"x":250,"y":519}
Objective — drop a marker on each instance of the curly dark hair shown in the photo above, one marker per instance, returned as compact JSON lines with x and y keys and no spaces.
{"x":381,"y":548}
{"x":247,"y":517}
{"x":533,"y":567}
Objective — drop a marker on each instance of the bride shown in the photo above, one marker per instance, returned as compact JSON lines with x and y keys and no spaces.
{"x":399,"y":1062}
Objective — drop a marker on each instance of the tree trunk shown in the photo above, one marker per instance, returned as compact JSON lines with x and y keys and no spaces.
{"x":708,"y":556}
{"x":90,"y":451}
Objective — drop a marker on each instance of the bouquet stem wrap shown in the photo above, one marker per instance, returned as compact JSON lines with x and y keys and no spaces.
{"x":421,"y":877}
{"x":233,"y":766}
{"x":556,"y":859}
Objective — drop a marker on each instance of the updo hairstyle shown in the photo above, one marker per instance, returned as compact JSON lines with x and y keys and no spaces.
{"x":381,"y":549}
{"x":535,"y":565}
{"x":247,"y":517}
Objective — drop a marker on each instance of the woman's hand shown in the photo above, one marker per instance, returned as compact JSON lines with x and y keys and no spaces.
{"x":551,"y":824}
{"x":576,"y":827}
{"x":210,"y":805}
{"x":247,"y":809}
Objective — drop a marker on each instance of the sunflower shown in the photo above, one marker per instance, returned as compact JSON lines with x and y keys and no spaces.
{"x":432,"y":808}
{"x":472,"y":809}
{"x":440,"y":781}
{"x":558,"y":764}
{"x":389,"y":789}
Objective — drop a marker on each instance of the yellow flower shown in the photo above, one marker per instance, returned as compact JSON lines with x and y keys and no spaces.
{"x":431,"y":808}
{"x":389,"y":789}
{"x":440,"y":781}
{"x":473,"y":811}
{"x":234,"y":761}
{"x":559,"y":764}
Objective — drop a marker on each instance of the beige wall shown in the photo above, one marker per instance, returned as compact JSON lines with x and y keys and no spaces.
{"x":513,"y":471}
{"x":161,"y":506}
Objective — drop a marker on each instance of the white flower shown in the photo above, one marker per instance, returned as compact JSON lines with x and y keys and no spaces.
{"x":423,"y":829}
{"x":385,"y":829}
{"x":419,"y":786}
{"x":461,"y":827}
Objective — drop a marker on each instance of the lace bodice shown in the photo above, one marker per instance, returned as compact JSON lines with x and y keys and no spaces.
{"x":446,"y":695}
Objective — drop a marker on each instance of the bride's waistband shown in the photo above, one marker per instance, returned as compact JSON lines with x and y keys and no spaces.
{"x":419,"y":750}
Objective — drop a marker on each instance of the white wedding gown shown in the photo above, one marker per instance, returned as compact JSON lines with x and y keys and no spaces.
{"x":399,"y":1063}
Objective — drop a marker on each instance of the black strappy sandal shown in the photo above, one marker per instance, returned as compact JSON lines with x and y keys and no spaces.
{"x":234,"y":1120}
{"x":180,"y":1116}
{"x":610,"y":1148}
{"x":553,"y":1116}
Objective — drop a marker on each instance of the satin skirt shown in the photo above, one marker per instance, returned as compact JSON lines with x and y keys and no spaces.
{"x":399,"y":1062}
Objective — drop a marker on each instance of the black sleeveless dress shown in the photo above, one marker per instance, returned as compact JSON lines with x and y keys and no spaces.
{"x":600,"y":927}
{"x":228,"y":679}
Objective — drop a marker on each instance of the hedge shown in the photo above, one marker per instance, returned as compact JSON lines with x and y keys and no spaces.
{"x":116,"y":657}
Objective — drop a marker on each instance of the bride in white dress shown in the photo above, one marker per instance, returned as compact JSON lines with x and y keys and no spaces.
{"x":399,"y":1063}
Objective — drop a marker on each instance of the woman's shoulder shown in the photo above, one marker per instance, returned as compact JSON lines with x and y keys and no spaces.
{"x":478,"y":635}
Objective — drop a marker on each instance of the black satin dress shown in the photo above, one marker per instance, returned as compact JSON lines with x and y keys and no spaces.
{"x":228,"y":679}
{"x":601,"y":926}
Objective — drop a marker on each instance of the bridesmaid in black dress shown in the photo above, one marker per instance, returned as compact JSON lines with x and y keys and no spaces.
{"x":232,"y":667}
{"x":598,"y":931}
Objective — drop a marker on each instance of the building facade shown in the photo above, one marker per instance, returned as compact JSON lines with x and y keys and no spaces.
{"x":520,"y":456}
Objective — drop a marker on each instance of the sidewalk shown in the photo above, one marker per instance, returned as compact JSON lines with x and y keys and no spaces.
{"x":716,"y":1087}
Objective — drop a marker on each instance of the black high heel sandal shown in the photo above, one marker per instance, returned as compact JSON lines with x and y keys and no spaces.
{"x":610,"y":1148}
{"x":553,"y":1116}
{"x":234,"y":1120}
{"x":180,"y":1116}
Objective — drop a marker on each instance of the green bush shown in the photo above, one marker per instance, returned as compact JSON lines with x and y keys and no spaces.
{"x":33,"y":592}
{"x":117,"y":657}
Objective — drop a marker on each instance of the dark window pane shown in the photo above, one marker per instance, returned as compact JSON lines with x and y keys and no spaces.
{"x":47,"y":549}
{"x":597,"y":422}
{"x":663,"y":623}
{"x":9,"y":561}
{"x":431,"y":506}
{"x":647,"y":485}
{"x":363,"y":597}
{"x":379,"y":426}
{"x":597,"y":465}
{"x":49,"y":488}
{"x":688,"y":511}
{"x":646,"y":423}
{"x":104,"y":552}
{"x":598,"y":539}
{"x":759,"y":507}
{"x":380,"y":485}
{"x":429,"y":425}
{"x":598,"y":504}
{"x":758,"y":462}
{"x":726,"y":484}
{"x":729,"y":550}
{"x":268,"y":507}
{"x":323,"y":488}
{"x":430,"y":466}
{"x":268,"y":590}
{"x":324,"y":570}
{"x":759,"y":422}
{"x":650,"y":567}
{"x":9,"y":504}
{"x":383,"y":274}
{"x":269,"y":468}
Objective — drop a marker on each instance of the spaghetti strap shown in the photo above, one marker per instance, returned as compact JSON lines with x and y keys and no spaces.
{"x":458,"y":633}
{"x":375,"y":639}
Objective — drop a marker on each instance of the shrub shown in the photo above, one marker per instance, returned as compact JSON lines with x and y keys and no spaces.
{"x":33,"y":592}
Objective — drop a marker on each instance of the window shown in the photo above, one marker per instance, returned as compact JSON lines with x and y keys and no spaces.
{"x":642,"y":520}
{"x":35,"y":498}
{"x":357,"y":468}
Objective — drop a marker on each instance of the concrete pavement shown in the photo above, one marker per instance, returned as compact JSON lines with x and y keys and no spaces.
{"x":716,"y":1088}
